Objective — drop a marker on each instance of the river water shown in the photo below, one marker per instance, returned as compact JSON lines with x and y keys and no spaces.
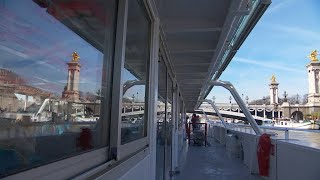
{"x":309,"y":138}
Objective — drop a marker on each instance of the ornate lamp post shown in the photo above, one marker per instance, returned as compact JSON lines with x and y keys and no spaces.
{"x":133,"y":98}
{"x":137,"y":96}
{"x":297,"y":100}
{"x":275,"y":109}
{"x":285,"y":94}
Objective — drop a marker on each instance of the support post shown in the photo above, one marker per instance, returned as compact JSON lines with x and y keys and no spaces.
{"x":25,"y":103}
{"x":241,"y":104}
{"x":189,"y":131}
{"x":217,"y":111}
{"x":205,"y":115}
{"x":205,"y":134}
{"x":286,"y":134}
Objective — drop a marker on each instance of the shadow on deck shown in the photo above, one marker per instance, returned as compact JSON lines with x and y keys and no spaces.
{"x":212,"y":162}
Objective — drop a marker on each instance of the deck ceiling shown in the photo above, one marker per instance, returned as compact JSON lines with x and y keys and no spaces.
{"x":192,"y":31}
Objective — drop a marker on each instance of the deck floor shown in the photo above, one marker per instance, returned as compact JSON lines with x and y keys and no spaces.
{"x":212,"y":162}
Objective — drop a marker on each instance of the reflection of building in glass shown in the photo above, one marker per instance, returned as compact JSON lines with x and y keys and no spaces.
{"x":11,"y":84}
{"x":9,"y":77}
{"x":71,"y":91}
{"x":8,"y":80}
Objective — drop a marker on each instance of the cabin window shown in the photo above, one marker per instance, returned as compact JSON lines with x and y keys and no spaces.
{"x":135,"y":73}
{"x":169,"y":124}
{"x":181,"y":121}
{"x":161,"y":118}
{"x":54,"y":79}
{"x":259,"y":122}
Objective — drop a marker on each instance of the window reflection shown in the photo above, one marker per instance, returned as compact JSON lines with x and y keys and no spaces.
{"x":135,"y":73}
{"x":181,"y":121}
{"x":169,"y":125}
{"x":161,"y":119}
{"x":50,"y":79}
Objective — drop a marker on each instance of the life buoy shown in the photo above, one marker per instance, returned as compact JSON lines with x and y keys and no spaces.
{"x":263,"y":152}
{"x":85,"y":139}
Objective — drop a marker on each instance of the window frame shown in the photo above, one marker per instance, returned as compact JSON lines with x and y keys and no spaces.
{"x":75,"y":164}
{"x":105,"y":156}
{"x":66,"y":168}
{"x":120,"y":151}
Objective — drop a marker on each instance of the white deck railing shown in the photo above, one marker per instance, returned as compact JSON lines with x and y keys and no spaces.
{"x":248,"y":129}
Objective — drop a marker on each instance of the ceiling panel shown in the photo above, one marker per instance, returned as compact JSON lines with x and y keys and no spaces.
{"x":192,"y":31}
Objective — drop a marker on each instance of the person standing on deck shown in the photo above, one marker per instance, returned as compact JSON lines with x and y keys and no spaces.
{"x":194,"y":121}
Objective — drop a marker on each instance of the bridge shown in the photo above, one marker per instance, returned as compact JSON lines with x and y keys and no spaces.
{"x":137,"y":109}
{"x":264,"y":111}
{"x":232,"y":115}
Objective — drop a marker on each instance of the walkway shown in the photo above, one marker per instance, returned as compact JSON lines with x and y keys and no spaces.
{"x":213,"y":163}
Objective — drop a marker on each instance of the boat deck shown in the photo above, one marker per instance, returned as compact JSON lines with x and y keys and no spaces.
{"x":212,"y":162}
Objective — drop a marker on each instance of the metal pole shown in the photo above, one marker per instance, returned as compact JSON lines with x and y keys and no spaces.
{"x":217,"y":111}
{"x":205,"y":115}
{"x":286,"y":134}
{"x":189,"y":132}
{"x":241,"y":104}
{"x":205,"y":134}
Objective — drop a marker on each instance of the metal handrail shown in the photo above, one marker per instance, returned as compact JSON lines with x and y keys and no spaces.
{"x":286,"y":130}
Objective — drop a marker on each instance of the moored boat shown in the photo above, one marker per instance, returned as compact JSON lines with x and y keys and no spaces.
{"x":294,"y":124}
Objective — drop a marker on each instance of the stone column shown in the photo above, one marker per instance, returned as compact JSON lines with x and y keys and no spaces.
{"x":25,"y":103}
{"x":274,"y":98}
{"x":313,"y":69}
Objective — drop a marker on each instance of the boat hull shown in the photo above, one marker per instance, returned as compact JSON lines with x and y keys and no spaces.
{"x":296,"y":125}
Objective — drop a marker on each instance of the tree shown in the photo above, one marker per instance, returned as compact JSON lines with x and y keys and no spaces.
{"x":304,"y":99}
{"x":264,"y":100}
{"x":98,"y":94}
{"x":293,"y":99}
{"x":87,"y":96}
{"x":315,"y":115}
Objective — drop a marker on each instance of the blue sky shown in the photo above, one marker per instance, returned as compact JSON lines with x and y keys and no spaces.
{"x":279,"y":44}
{"x":37,"y":47}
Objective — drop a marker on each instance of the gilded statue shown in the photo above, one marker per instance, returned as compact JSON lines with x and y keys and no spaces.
{"x":273,"y":79}
{"x":313,"y":56}
{"x":75,"y":57}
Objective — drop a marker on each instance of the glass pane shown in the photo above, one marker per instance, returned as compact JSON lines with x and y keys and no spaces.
{"x":169,"y":126}
{"x":181,"y":121}
{"x":161,"y":116}
{"x":52,"y":54}
{"x":135,"y":73}
{"x":180,"y":127}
